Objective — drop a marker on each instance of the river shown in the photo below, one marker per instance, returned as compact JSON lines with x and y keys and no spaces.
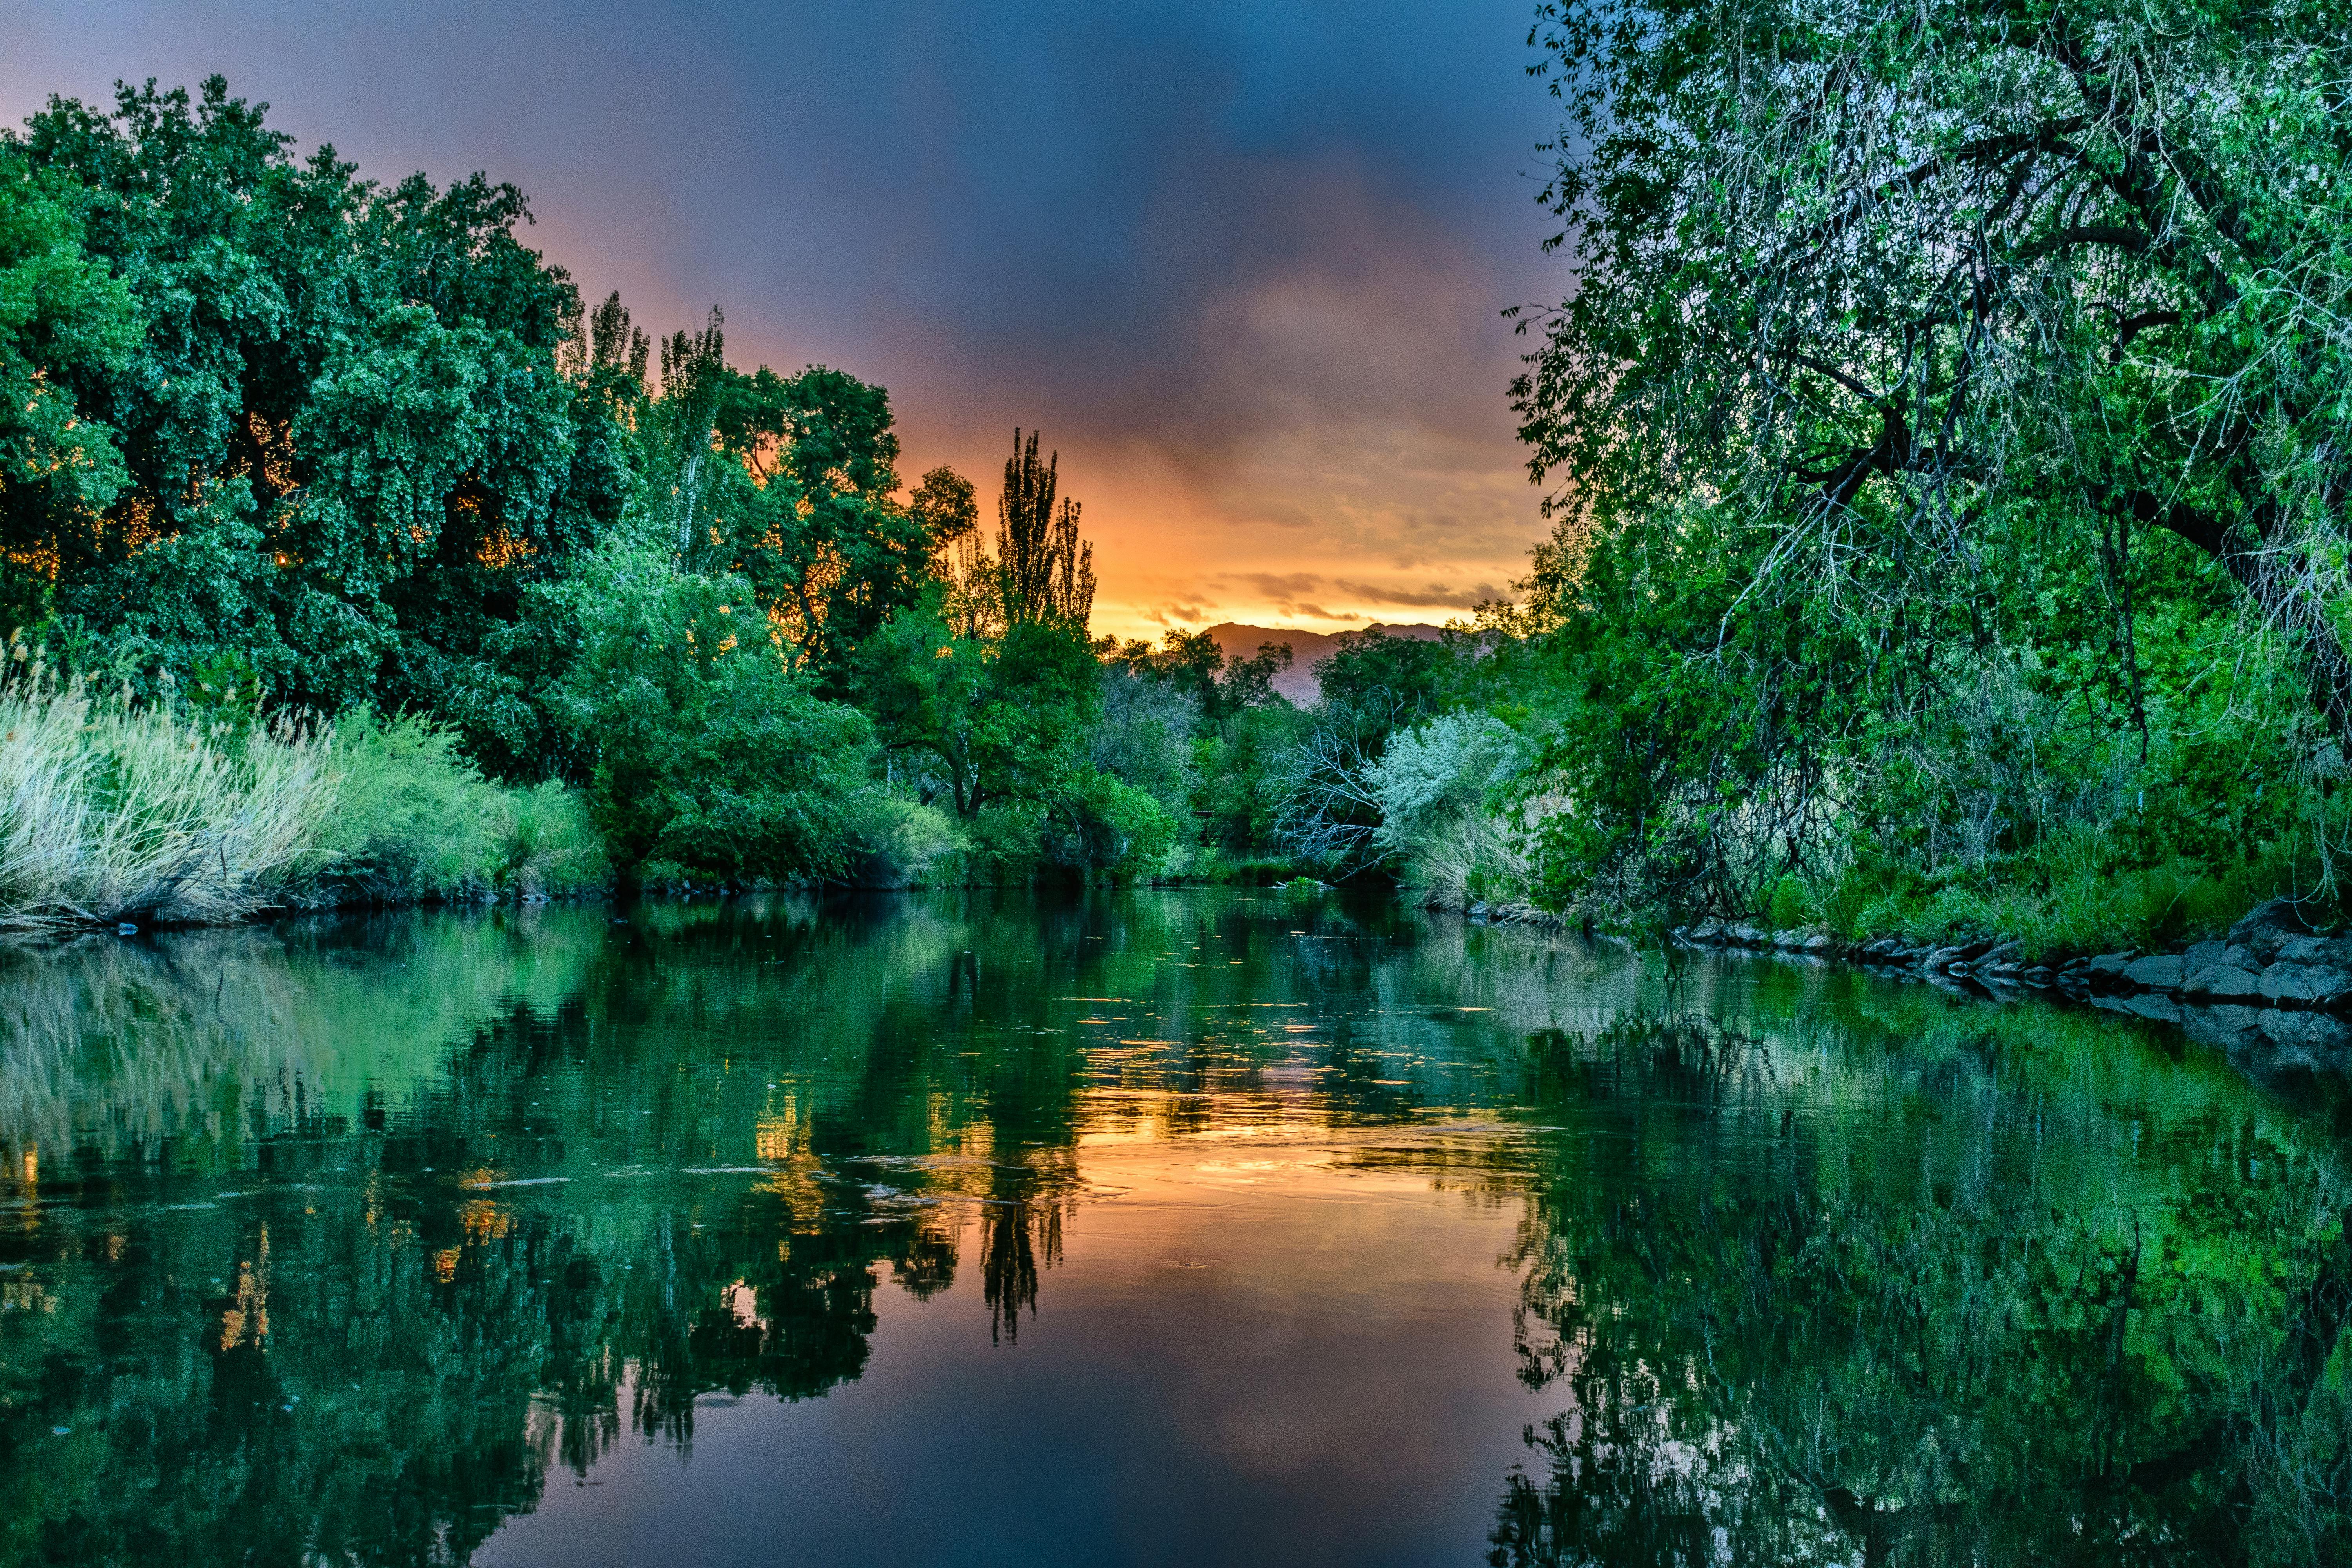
{"x":1183,"y":1228}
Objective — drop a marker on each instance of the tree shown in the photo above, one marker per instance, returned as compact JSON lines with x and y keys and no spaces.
{"x":344,"y":441}
{"x":1916,"y":354}
{"x":1895,"y":285}
{"x":712,"y":755}
{"x":63,"y":320}
{"x":984,"y":720}
{"x":1045,"y":571}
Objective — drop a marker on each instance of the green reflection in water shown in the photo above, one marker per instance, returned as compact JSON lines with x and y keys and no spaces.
{"x":337,"y":1241}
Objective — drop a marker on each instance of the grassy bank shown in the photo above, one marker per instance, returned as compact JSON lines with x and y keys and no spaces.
{"x":113,"y":811}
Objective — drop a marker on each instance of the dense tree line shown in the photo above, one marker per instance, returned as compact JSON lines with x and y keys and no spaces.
{"x":284,"y":441}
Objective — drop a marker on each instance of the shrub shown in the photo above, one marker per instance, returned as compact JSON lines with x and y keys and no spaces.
{"x":1007,"y":842}
{"x":905,"y":843}
{"x":1434,"y":785}
{"x":1101,"y":825}
{"x":557,"y":852}
{"x":714,"y":758}
{"x":411,"y":818}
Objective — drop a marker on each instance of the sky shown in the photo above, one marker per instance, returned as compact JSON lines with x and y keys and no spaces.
{"x":1243,"y":264}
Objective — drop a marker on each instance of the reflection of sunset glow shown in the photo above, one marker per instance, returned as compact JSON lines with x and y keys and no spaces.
{"x":248,"y":1317}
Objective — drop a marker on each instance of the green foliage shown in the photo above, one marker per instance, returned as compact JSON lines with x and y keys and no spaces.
{"x":113,"y":810}
{"x":411,"y":820}
{"x":904,"y":843}
{"x":1907,"y":538}
{"x":980,"y":719}
{"x":63,"y":320}
{"x":1144,"y":737}
{"x":1007,"y":844}
{"x":343,"y":439}
{"x":1100,"y":823}
{"x":714,"y":757}
{"x":556,"y":851}
{"x":1437,"y":790}
{"x":1239,"y":798}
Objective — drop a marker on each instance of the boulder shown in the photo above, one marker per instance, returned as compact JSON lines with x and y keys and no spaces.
{"x":2267,"y":926}
{"x":1789,"y":940}
{"x":2221,"y":983}
{"x":2005,"y":952}
{"x":2041,"y":974}
{"x":2304,"y":984}
{"x":2153,"y":974}
{"x":1707,"y":933}
{"x":2107,"y":968}
{"x":2153,"y":1004}
{"x":1745,"y":936}
{"x":1820,"y":942}
{"x":1943,"y":958}
{"x":1990,"y":968}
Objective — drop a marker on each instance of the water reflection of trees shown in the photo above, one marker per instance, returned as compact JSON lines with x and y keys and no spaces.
{"x":265,"y":1267}
{"x":1821,"y":1321}
{"x":1871,"y":1289}
{"x":1021,"y":1224}
{"x":279,"y":1298}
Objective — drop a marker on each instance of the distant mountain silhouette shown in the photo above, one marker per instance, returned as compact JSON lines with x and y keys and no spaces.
{"x":1298,"y":682}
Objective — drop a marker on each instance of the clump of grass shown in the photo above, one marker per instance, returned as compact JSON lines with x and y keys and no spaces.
{"x":110,"y":812}
{"x":1461,"y":857}
{"x":412,"y":819}
{"x":556,"y":851}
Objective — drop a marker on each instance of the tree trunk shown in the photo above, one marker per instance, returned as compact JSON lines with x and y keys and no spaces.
{"x":2270,"y":574}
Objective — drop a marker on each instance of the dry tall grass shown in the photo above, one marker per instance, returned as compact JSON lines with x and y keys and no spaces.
{"x":112,"y":812}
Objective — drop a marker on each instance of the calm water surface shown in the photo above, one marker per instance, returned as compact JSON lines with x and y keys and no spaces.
{"x":1153,"y":1228}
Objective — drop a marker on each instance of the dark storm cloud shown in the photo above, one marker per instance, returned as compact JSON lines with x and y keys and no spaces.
{"x":1241,"y":261}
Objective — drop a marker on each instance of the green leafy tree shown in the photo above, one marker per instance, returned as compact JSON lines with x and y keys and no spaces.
{"x":1045,"y":571}
{"x":1940,"y":385}
{"x":64,"y":320}
{"x":345,"y":441}
{"x":713,"y":756}
{"x":981,"y":721}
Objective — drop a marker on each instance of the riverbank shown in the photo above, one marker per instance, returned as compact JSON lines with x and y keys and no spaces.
{"x":2271,"y":980}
